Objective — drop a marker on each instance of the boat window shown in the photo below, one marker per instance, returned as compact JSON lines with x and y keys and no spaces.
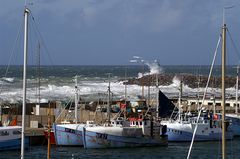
{"x":136,"y":122}
{"x":140,"y":123}
{"x":227,"y":104}
{"x":210,"y":103}
{"x":16,"y":132}
{"x":4,"y":133}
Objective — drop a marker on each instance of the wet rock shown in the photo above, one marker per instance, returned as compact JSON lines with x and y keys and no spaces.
{"x":191,"y":80}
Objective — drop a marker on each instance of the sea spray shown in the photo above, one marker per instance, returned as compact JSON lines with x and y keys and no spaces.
{"x":57,"y":83}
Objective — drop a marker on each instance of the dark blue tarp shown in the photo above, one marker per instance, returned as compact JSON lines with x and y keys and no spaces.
{"x":166,"y":107}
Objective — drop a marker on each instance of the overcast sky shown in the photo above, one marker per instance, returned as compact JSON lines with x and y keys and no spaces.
{"x":104,"y":32}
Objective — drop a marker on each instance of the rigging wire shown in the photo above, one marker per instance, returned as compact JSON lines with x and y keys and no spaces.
{"x":205,"y":92}
{"x":12,"y":52}
{"x":41,"y":40}
{"x":234,"y":45}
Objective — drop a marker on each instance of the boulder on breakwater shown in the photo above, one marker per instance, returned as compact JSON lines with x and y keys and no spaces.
{"x":188,"y":79}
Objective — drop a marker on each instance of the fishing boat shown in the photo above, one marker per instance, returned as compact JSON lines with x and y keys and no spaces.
{"x":125,"y":131}
{"x":70,"y":134}
{"x":10,"y":138}
{"x":182,"y":126}
{"x":224,"y":122}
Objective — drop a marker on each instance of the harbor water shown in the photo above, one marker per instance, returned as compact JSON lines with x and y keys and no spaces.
{"x":201,"y":150}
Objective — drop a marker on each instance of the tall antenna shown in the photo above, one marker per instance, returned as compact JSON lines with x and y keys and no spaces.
{"x":224,"y":9}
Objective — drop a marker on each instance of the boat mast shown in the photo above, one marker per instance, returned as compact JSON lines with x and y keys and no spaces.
{"x":26,"y":12}
{"x":179,"y":103}
{"x":109,"y":105}
{"x":125,"y":95}
{"x":142,"y":83}
{"x":224,"y":28}
{"x":76,"y":101}
{"x":157,"y":95}
{"x":38,"y":80}
{"x":214,"y":98}
{"x":236,"y":106}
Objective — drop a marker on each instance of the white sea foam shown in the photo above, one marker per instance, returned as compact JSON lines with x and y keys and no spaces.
{"x":57,"y":92}
{"x":154,"y":67}
{"x":8,"y":79}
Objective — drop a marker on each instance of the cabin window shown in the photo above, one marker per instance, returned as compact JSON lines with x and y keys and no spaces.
{"x":200,"y":103}
{"x":218,"y":104}
{"x":193,"y":103}
{"x":210,"y":103}
{"x":227,"y":104}
{"x":16,"y":132}
{"x":136,"y":122}
{"x":117,"y":122}
{"x":4,"y":133}
{"x":235,"y":104}
{"x":140,"y":123}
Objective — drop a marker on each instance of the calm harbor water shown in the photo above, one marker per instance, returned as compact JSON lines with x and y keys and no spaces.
{"x":201,"y":150}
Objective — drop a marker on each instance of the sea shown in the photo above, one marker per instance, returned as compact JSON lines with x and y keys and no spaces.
{"x":58,"y":83}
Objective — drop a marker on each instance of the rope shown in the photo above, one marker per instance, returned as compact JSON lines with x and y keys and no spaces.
{"x":205,"y":92}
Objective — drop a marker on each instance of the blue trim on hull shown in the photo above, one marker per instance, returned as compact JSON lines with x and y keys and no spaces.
{"x":174,"y":135}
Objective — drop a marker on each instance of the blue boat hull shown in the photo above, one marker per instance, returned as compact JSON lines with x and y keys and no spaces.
{"x":13,"y":144}
{"x":235,"y":125}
